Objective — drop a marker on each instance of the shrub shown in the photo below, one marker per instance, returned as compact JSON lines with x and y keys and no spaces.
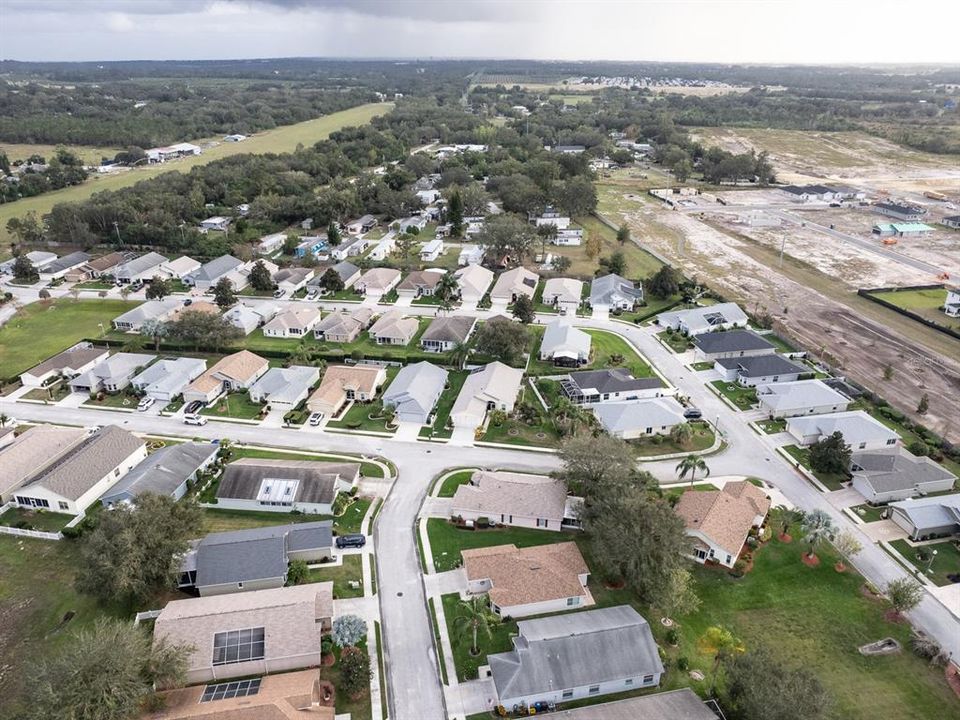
{"x":918,"y":447}
{"x":673,"y":637}
{"x":297,"y":572}
{"x":683,"y":663}
{"x":348,"y":630}
{"x":354,"y":670}
{"x":483,"y":522}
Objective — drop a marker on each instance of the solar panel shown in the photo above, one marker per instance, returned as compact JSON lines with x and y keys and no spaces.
{"x":228,"y":690}
{"x":237,"y":646}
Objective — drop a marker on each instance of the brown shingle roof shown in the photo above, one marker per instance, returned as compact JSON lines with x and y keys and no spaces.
{"x":71,"y":358}
{"x":496,"y":493}
{"x":33,"y":449}
{"x":337,"y":379}
{"x":241,"y":367}
{"x":528,"y":575}
{"x":724,"y":516}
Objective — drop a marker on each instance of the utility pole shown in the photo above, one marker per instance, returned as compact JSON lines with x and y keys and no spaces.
{"x":783,"y":244}
{"x":116,"y":227}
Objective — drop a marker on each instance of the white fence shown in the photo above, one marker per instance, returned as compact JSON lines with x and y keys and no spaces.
{"x":40,"y":534}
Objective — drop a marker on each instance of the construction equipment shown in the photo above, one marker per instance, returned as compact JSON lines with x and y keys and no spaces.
{"x":933,"y":195}
{"x":890,"y":241}
{"x":943,"y":277}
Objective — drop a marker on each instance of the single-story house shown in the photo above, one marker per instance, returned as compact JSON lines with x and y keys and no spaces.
{"x":311,"y":245}
{"x":589,"y":387}
{"x":230,"y":374}
{"x":168,"y":377}
{"x":528,"y":581}
{"x":73,"y":361}
{"x":77,"y":477}
{"x":172,"y":152}
{"x":493,"y":387}
{"x":754,"y":370}
{"x":269,"y":244}
{"x":911,"y":229}
{"x":112,"y":375}
{"x":32,"y":450}
{"x":243,"y":634}
{"x":514,"y":283}
{"x":473,"y":280}
{"x":859,"y":430}
{"x":253,"y":559}
{"x":249,"y":317}
{"x":350,"y":249}
{"x":179,"y":268}
{"x":430,"y":251}
{"x":731,"y":344}
{"x":347,"y":271}
{"x":928,"y":518}
{"x":377,"y":282}
{"x":343,"y":383}
{"x":362,"y":225}
{"x":428,"y":196}
{"x":517,"y":499}
{"x":342,"y":327}
{"x":568,"y":237}
{"x":384,"y":247}
{"x":414,"y":222}
{"x":550,"y":217}
{"x":38,"y":258}
{"x":217,"y":222}
{"x":907,"y":213}
{"x":445,"y":333}
{"x":152,"y":310}
{"x":614,"y":292}
{"x":952,"y":221}
{"x":719,"y":521}
{"x":564,"y":344}
{"x":392,"y":328}
{"x":470,"y":255}
{"x":296,"y":322}
{"x":420,"y":283}
{"x":167,"y":471}
{"x":892,"y":474}
{"x":683,"y":704}
{"x":284,"y":388}
{"x":723,"y":316}
{"x":140,"y":269}
{"x":62,"y":265}
{"x":951,"y":306}
{"x":632,"y":420}
{"x":210,"y":273}
{"x":105,"y":264}
{"x":292,"y":279}
{"x":567,"y":657}
{"x":415,"y":391}
{"x":305,"y":486}
{"x":801,"y":397}
{"x":565,"y":294}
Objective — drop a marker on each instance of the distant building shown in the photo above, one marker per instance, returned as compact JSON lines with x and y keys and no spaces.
{"x":907,"y":213}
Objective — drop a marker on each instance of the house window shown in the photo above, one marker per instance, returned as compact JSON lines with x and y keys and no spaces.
{"x":891,"y":441}
{"x":542,"y":522}
{"x":728,"y":559}
{"x":572,"y":601}
{"x":567,"y":694}
{"x":628,"y":682}
{"x":237,"y":646}
{"x":863,"y":444}
{"x":647,"y":679}
{"x":594,"y":689}
{"x":63,"y":505}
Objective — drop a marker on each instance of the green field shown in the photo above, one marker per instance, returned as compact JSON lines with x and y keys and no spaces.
{"x":743,"y":397}
{"x":640,"y":264}
{"x":935,"y":567}
{"x":234,"y":405}
{"x":341,"y":576}
{"x":833,"y":481}
{"x":925,"y":303}
{"x":89,"y":155}
{"x":282,"y":139}
{"x":453,"y":481}
{"x":40,"y":330}
{"x":447,"y":540}
{"x":603,"y":346}
{"x":439,"y":429}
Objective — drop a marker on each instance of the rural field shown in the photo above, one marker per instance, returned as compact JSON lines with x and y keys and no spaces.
{"x":282,"y":139}
{"x":89,"y":155}
{"x":925,"y":303}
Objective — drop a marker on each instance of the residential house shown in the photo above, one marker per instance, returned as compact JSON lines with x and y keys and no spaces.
{"x":859,"y":430}
{"x":951,"y":306}
{"x":348,"y":272}
{"x":346,"y":383}
{"x":38,"y":258}
{"x":342,"y":327}
{"x":172,"y":152}
{"x":384,"y":247}
{"x":232,"y":373}
{"x":179,"y":268}
{"x":590,"y":387}
{"x":420,"y":283}
{"x":77,"y":477}
{"x":73,"y":361}
{"x":253,"y":559}
{"x":613,"y":292}
{"x":392,"y":328}
{"x":473,"y":281}
{"x":168,"y":377}
{"x":112,"y":375}
{"x":928,"y":518}
{"x":270,"y":244}
{"x":801,"y":397}
{"x":446,"y":333}
{"x":105,"y":264}
{"x":493,"y":387}
{"x":151,"y":311}
{"x":140,"y":269}
{"x":33,"y":449}
{"x":528,"y":581}
{"x":377,"y":282}
{"x":431,"y":250}
{"x":210,"y":273}
{"x":952,"y":221}
{"x":569,"y":149}
{"x":245,"y":634}
{"x":428,"y":197}
{"x":568,"y":657}
{"x":415,"y":391}
{"x":63,"y":265}
{"x":682,"y":704}
{"x":304,"y":486}
{"x":414,"y":222}
{"x":217,"y":223}
{"x":719,"y":521}
{"x":892,"y":474}
{"x":550,"y":217}
{"x":168,"y":471}
{"x":564,"y":344}
{"x":350,"y":249}
{"x":632,"y":420}
{"x":570,"y":237}
{"x":731,"y":344}
{"x":294,"y":322}
{"x":565,"y":294}
{"x":362,"y":225}
{"x":906,"y":213}
{"x":284,"y":388}
{"x":723,"y":316}
{"x":513,"y":283}
{"x":311,"y":245}
{"x":292,"y":279}
{"x":470,"y":255}
{"x":249,"y":317}
{"x":754,"y":370}
{"x":518,"y":500}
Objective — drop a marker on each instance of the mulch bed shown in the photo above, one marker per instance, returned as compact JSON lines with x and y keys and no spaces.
{"x":328,"y":660}
{"x":953,"y":678}
{"x":892,"y":616}
{"x":840,"y":567}
{"x":785,"y":538}
{"x":615,"y":585}
{"x":810,"y":561}
{"x":869,"y":594}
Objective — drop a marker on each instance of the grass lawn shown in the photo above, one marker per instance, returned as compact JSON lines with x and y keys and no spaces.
{"x":945,"y":562}
{"x":358,"y":417}
{"x":52,"y":393}
{"x":704,"y":365}
{"x":366,"y":469}
{"x":115,"y":400}
{"x":467,"y":664}
{"x":779,"y":343}
{"x":221,"y":520}
{"x":550,"y":391}
{"x":436,"y":639}
{"x":40,"y":329}
{"x":455,"y":380}
{"x":341,"y":575}
{"x":450,"y":484}
{"x":95,"y":285}
{"x":833,"y":481}
{"x":234,"y":405}
{"x":771,"y":427}
{"x":516,"y":432}
{"x":678,"y":491}
{"x":447,"y":540}
{"x":35,"y":519}
{"x":359,"y":708}
{"x":702,"y":438}
{"x":653,"y":306}
{"x":743,"y":397}
{"x":925,"y":303}
{"x":606,"y":350}
{"x":678,"y":342}
{"x":869,"y":513}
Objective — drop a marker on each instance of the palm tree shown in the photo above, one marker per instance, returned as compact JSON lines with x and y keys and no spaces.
{"x":690,"y":464}
{"x":475,"y":617}
{"x":785,"y":517}
{"x":459,"y":355}
{"x":818,"y":527}
{"x":681,"y":434}
{"x":721,"y":643}
{"x":4,"y":418}
{"x":446,"y":290}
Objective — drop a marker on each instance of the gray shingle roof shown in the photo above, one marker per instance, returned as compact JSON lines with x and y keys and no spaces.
{"x":620,"y":417}
{"x":930,"y":512}
{"x":611,"y":381}
{"x":453,"y":328}
{"x":416,"y":388}
{"x":673,"y":705}
{"x":731,"y":341}
{"x":65,"y":263}
{"x":763,"y":365}
{"x":140,"y":264}
{"x":242,"y":479}
{"x":163,"y":471}
{"x":894,"y":468}
{"x":216,"y":268}
{"x":608,"y":288}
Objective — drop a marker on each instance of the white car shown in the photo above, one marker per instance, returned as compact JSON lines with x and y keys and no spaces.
{"x":316,"y":418}
{"x":145,"y":403}
{"x":194,"y":420}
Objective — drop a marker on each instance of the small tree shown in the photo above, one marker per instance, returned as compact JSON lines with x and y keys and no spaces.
{"x":561,"y":263}
{"x":818,"y":527}
{"x":290,"y":244}
{"x":759,"y":687}
{"x":475,"y":617}
{"x":888,"y":372}
{"x":24,"y":270}
{"x":523,"y":309}
{"x":681,"y":434}
{"x":594,"y":244}
{"x":223,"y":293}
{"x":616,"y":263}
{"x":664,"y":283}
{"x":334,"y":238}
{"x":623,"y":234}
{"x":923,"y":405}
{"x":721,"y":643}
{"x":348,"y":630}
{"x":905,"y":594}
{"x":455,"y":213}
{"x":847,"y":546}
{"x":690,"y":465}
{"x":260,"y":278}
{"x":297,"y":572}
{"x":331,"y":281}
{"x":830,"y":455}
{"x":158,"y":288}
{"x":355,"y":671}
{"x":501,"y":339}
{"x":785,"y":517}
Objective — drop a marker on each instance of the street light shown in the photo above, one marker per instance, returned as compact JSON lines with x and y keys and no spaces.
{"x":933,"y":556}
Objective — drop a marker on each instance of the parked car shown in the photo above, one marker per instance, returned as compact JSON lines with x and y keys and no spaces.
{"x":354,"y":540}
{"x":188,"y":302}
{"x":316,"y":418}
{"x":194,"y":407}
{"x":692,"y":413}
{"x":194,"y":419}
{"x":279,"y":293}
{"x":145,"y":403}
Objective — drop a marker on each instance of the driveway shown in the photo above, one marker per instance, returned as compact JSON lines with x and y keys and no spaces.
{"x":437,"y":507}
{"x":848,"y":497}
{"x":463,"y":436}
{"x":452,"y":581}
{"x":404,"y":301}
{"x":883,"y":531}
{"x":407,"y":432}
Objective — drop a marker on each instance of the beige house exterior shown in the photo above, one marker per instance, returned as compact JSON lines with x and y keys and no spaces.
{"x":516,"y":499}
{"x":377,"y":282}
{"x":230,"y":374}
{"x":394,"y":329}
{"x":32,"y":450}
{"x":514,"y":283}
{"x":494,"y":387}
{"x":342,"y":383}
{"x":342,"y":327}
{"x":719,"y":521}
{"x":295,"y":322}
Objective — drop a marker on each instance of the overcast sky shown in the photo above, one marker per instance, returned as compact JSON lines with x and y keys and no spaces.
{"x":766,"y":31}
